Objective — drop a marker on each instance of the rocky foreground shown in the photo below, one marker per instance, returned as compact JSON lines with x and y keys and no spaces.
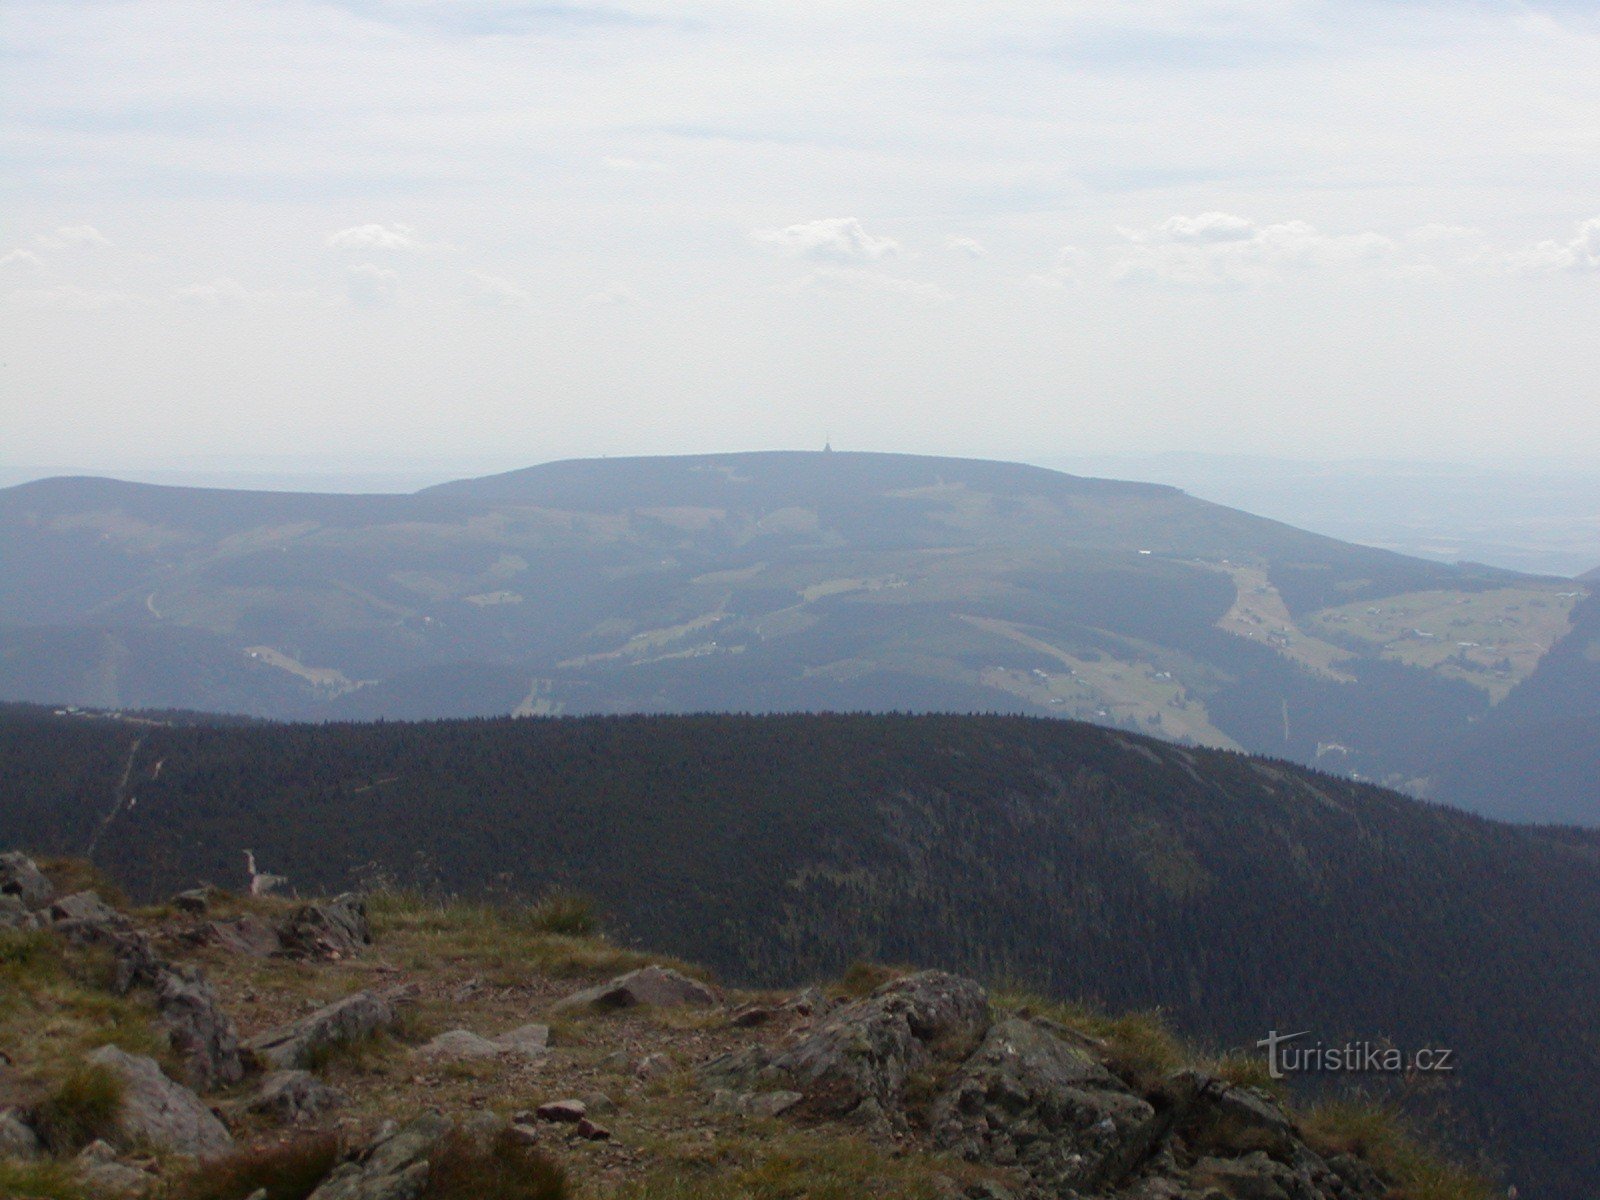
{"x":380,"y":1048}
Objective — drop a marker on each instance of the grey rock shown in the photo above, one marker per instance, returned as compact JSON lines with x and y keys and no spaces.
{"x":530,"y":1041}
{"x":661,"y":987}
{"x":394,"y":1168}
{"x":805,"y":1003}
{"x":247,"y":935}
{"x":599,"y":1104}
{"x":195,"y":901}
{"x":199,"y":1030}
{"x":86,"y":907}
{"x":750,"y":1016}
{"x":859,"y":1058}
{"x":1255,"y":1176}
{"x":459,"y":1045}
{"x":1029,"y":1099}
{"x":294,"y":1096}
{"x":589,"y":1130}
{"x":1360,"y":1181}
{"x":17,"y":1138}
{"x":301,"y":1043}
{"x":134,"y":962}
{"x":1228,"y":1120}
{"x":158,"y":1112}
{"x":653,"y":1066}
{"x":337,"y":928}
{"x":14,"y":914}
{"x":756,"y":1104}
{"x":102,"y":1174}
{"x":570,"y":1111}
{"x":20,"y":877}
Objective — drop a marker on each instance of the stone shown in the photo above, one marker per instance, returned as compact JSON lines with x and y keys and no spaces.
{"x":17,"y":1138}
{"x":156,"y":1111}
{"x":653,"y":1066}
{"x":102,"y":1174}
{"x":523,"y":1134}
{"x":294,"y":1097}
{"x":394,"y":1167}
{"x":660,"y":987}
{"x":750,"y":1016}
{"x":1028,"y":1098}
{"x":300,"y":1044}
{"x":247,"y":935}
{"x":858,"y":1059}
{"x":134,"y":962}
{"x":459,"y":1045}
{"x":86,"y":907}
{"x":336,"y":928}
{"x":20,"y":877}
{"x":199,"y":1030}
{"x":195,"y":901}
{"x":594,"y":1133}
{"x":1226,"y":1120}
{"x":1254,"y":1176}
{"x":14,"y":914}
{"x":530,"y":1041}
{"x":599,"y":1104}
{"x":807,"y":1002}
{"x":570,"y":1111}
{"x":755,"y":1104}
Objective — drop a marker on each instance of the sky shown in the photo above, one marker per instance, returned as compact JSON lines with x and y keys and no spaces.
{"x":453,"y":233}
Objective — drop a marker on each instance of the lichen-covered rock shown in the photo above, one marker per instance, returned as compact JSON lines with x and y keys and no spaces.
{"x":17,"y":1137}
{"x":247,"y":935}
{"x":336,"y":928}
{"x":395,"y":1167}
{"x":1254,"y":1176}
{"x":157,"y":1112}
{"x":1028,"y":1098}
{"x":660,"y":987}
{"x":858,"y":1060}
{"x":302,"y":1043}
{"x":86,"y":907}
{"x":14,"y":914}
{"x":199,"y":1030}
{"x":20,"y":877}
{"x":134,"y":961}
{"x":102,"y":1174}
{"x":458,"y":1045}
{"x":294,"y":1096}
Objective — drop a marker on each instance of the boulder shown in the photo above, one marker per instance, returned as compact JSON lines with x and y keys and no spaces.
{"x":302,"y":1043}
{"x":394,"y":1167}
{"x":17,"y":1138}
{"x":755,"y":1104}
{"x":20,"y":877}
{"x":294,"y":1096}
{"x":195,"y":901}
{"x":157,"y":1112}
{"x":14,"y":914}
{"x":337,"y":928}
{"x":134,"y":962}
{"x":859,"y":1058}
{"x":570,"y":1111}
{"x":103,"y":1174}
{"x":1026,"y":1098}
{"x":1226,"y":1120}
{"x":85,"y":907}
{"x":248,"y":935}
{"x":1254,"y":1176}
{"x":202,"y":1034}
{"x":661,"y":987}
{"x":458,"y":1045}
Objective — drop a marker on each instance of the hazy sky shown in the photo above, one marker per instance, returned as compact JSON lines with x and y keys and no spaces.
{"x":507,"y":232}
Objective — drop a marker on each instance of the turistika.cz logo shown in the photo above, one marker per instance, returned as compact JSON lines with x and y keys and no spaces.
{"x":1349,"y":1058}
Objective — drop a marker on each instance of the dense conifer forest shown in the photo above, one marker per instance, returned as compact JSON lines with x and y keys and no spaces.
{"x":1238,"y":894}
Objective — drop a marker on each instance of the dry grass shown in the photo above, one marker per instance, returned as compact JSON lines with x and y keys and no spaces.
{"x":501,"y":1168}
{"x":69,"y":875}
{"x":1378,"y":1134}
{"x":1138,"y":1046}
{"x":82,"y":1106}
{"x":288,"y":1169}
{"x":861,"y":979}
{"x":40,"y":1181}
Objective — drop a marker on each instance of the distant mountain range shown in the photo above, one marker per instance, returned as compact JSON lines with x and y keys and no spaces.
{"x":803,"y":581}
{"x":1238,"y":894}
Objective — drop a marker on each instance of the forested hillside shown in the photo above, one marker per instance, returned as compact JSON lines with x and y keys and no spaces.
{"x":785,"y":582}
{"x":1239,"y":894}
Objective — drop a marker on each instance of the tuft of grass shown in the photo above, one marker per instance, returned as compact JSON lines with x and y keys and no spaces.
{"x":861,"y":979}
{"x":1379,"y":1135}
{"x":559,"y":911}
{"x":288,"y":1170}
{"x":501,"y":1168}
{"x":1138,"y":1046}
{"x":1243,"y":1069}
{"x":40,"y":1181}
{"x":69,"y":875}
{"x":81,"y":1107}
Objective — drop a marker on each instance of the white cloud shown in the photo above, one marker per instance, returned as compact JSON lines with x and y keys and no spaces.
{"x":371,"y":286}
{"x":1579,"y":253}
{"x":860,"y":280}
{"x":615,"y":296}
{"x":632,"y":165}
{"x":21,"y":261}
{"x":216,"y":294}
{"x":1070,"y":267}
{"x":1217,"y":248}
{"x":832,"y":239}
{"x":76,"y":299}
{"x":490,"y":291}
{"x":375,"y":237}
{"x":67,"y":237}
{"x":971,"y":247}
